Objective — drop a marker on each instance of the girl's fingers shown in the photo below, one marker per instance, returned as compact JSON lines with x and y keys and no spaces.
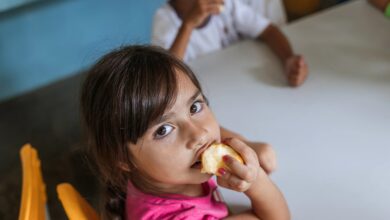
{"x":246,"y":172}
{"x":238,"y":176}
{"x":238,"y":169}
{"x":244,"y":150}
{"x":231,"y":181}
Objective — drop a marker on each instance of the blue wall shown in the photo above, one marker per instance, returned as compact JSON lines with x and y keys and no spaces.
{"x":50,"y":40}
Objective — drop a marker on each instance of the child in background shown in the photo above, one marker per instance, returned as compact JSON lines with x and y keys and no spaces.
{"x":191,"y":28}
{"x":147,"y":123}
{"x":382,"y":5}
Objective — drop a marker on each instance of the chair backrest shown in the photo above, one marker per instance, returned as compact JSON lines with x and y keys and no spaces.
{"x":302,"y":7}
{"x":75,"y":206}
{"x":33,"y":202}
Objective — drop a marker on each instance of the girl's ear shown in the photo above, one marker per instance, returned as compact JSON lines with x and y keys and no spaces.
{"x":124,"y":167}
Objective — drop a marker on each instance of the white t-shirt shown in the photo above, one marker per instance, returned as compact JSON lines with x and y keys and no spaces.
{"x":271,"y":9}
{"x":235,"y":22}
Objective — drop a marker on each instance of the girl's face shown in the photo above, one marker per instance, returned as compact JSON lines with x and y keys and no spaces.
{"x":170,"y":149}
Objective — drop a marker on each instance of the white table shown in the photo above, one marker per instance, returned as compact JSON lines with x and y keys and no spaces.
{"x":332,"y":135}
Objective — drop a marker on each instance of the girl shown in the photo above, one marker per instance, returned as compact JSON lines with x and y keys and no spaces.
{"x":148,"y":123}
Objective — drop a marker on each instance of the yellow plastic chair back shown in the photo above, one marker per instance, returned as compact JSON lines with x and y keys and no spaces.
{"x":75,"y":206}
{"x":33,"y":202}
{"x":301,"y":7}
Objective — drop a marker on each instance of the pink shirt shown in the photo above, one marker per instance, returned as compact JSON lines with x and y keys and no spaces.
{"x":147,"y":207}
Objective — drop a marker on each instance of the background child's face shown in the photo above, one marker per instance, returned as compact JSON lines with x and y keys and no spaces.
{"x":170,"y":148}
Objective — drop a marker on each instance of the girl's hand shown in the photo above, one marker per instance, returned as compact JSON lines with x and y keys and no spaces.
{"x":264,"y":151}
{"x":201,"y":10}
{"x":296,"y":69}
{"x":239,"y":177}
{"x":266,"y":155}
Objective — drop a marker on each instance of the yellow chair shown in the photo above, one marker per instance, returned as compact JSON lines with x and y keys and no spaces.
{"x":298,"y":8}
{"x":33,"y":202}
{"x":75,"y":206}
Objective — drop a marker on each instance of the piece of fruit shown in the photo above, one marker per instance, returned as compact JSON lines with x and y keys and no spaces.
{"x":212,"y":158}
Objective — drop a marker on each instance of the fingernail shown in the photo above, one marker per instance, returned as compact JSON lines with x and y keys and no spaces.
{"x":222,"y":171}
{"x":226,"y":158}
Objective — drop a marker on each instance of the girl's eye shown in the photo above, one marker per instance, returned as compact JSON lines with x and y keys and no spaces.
{"x":163,"y":131}
{"x":196,"y":107}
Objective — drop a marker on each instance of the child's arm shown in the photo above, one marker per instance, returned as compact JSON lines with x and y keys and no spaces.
{"x":296,"y":68}
{"x":267,"y":201}
{"x":201,"y":10}
{"x":264,"y":151}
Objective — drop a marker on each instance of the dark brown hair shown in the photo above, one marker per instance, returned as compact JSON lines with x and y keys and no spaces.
{"x":123,"y":93}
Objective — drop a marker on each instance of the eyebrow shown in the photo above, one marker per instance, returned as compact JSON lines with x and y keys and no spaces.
{"x":170,"y":114}
{"x":193,"y":97}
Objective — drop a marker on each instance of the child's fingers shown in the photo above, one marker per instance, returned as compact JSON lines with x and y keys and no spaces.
{"x":214,"y":8}
{"x":238,"y":169}
{"x":228,"y":180}
{"x":244,"y":150}
{"x":301,"y":62}
{"x":208,"y":6}
{"x":298,"y":71}
{"x":298,"y":62}
{"x":248,"y":171}
{"x":293,"y":75}
{"x":214,"y":2}
{"x":238,"y":176}
{"x":299,"y":58}
{"x":297,"y":80}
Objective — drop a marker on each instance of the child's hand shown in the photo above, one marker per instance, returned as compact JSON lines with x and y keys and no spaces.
{"x":201,"y":10}
{"x":239,"y":177}
{"x":296,"y":69}
{"x":266,"y":155}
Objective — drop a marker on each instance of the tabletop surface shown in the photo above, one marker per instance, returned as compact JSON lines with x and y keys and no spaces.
{"x":331,"y":135}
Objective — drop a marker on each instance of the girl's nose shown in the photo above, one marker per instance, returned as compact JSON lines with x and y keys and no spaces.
{"x":197,"y":135}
